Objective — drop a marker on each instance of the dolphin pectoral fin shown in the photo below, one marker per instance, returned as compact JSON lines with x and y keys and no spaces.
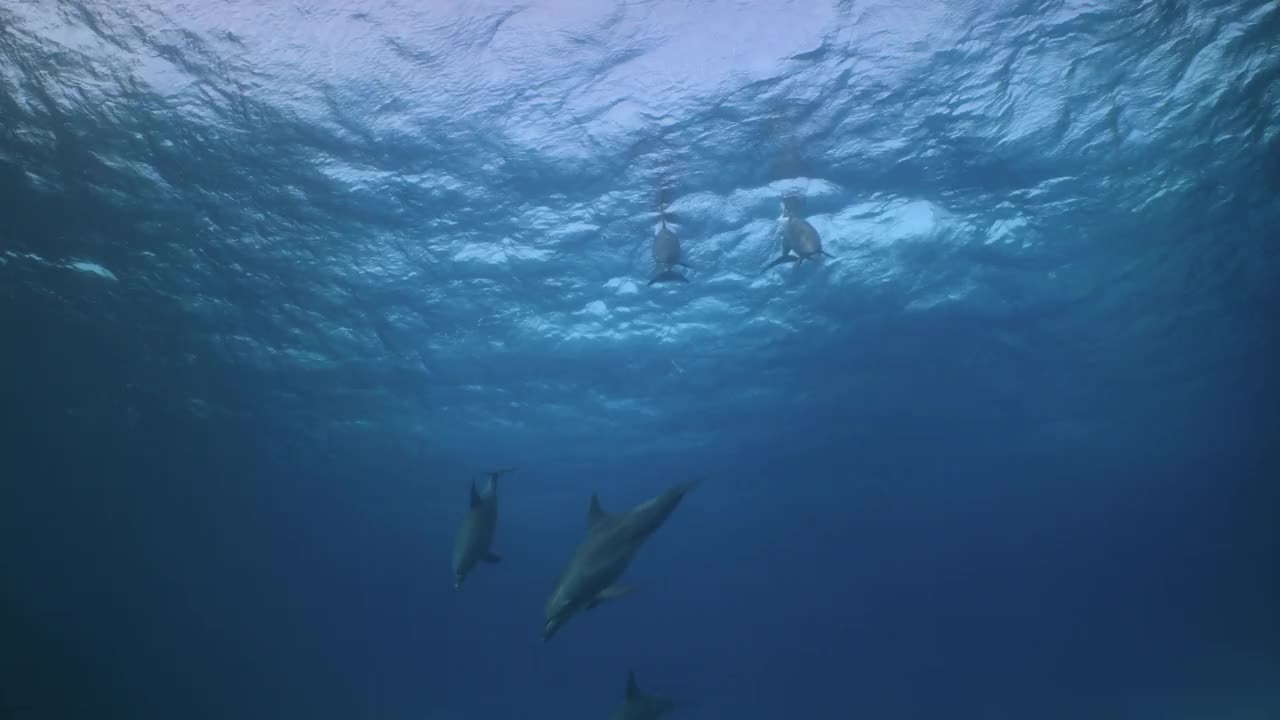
{"x":613,"y":592}
{"x":492,"y":557}
{"x":833,"y":257}
{"x":780,"y":260}
{"x":668,"y":276}
{"x":476,"y":500}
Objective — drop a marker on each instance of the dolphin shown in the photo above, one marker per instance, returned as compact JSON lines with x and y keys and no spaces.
{"x":666,"y":255}
{"x":640,"y":705}
{"x":475,"y":535}
{"x":797,"y":235}
{"x":602,"y":556}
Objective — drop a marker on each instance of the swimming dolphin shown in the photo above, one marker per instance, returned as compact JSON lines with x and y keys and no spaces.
{"x":666,"y":255}
{"x":602,"y":556}
{"x":640,"y":705}
{"x":475,"y":535}
{"x":797,"y":235}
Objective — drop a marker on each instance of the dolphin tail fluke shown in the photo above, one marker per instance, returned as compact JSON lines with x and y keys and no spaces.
{"x":493,"y":475}
{"x":778,"y":261}
{"x":668,"y":276}
{"x":686,"y":265}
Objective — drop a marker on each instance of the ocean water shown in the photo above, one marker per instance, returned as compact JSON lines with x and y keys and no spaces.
{"x":278,"y":279}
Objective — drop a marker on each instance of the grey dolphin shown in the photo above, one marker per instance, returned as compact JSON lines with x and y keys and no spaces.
{"x":602,"y":556}
{"x":640,"y":705}
{"x":666,"y":255}
{"x":797,"y":235}
{"x":475,"y":535}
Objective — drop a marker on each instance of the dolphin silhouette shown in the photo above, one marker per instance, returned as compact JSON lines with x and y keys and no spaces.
{"x":798,"y":236}
{"x":667,"y":255}
{"x":474,"y":539}
{"x":601,"y":558}
{"x":639,"y":705}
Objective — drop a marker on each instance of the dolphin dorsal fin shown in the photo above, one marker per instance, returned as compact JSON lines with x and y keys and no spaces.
{"x":475,"y":496}
{"x":595,"y":513}
{"x":633,"y":690}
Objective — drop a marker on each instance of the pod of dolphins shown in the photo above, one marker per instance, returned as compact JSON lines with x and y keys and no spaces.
{"x":798,"y":237}
{"x":592,"y":573}
{"x":611,"y":541}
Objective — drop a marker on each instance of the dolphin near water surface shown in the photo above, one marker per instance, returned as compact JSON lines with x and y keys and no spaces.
{"x":798,"y":236}
{"x":667,"y":255}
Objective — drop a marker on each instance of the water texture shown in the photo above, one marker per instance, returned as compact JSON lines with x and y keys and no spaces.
{"x":277,"y":278}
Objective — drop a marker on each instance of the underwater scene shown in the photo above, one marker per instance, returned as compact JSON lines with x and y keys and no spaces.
{"x":640,"y":359}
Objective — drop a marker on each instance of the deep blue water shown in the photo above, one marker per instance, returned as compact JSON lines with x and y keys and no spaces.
{"x":278,"y":279}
